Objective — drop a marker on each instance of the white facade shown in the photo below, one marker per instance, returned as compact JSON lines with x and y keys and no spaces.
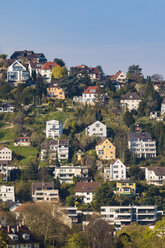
{"x":163,"y":107}
{"x":53,"y":129}
{"x":17,"y":73}
{"x":47,"y":74}
{"x":86,"y":190}
{"x":6,"y":108}
{"x":44,"y":192}
{"x":97,"y":128}
{"x":131,"y":101}
{"x":7,"y":193}
{"x":86,"y":196}
{"x":67,"y":173}
{"x":119,"y":77}
{"x":115,"y":171}
{"x":5,"y":154}
{"x":124,"y":215}
{"x":155,"y":175}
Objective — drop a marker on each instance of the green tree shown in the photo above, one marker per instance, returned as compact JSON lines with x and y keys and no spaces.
{"x":3,"y":239}
{"x":128,"y":118}
{"x":135,"y":73}
{"x":77,"y":240}
{"x":59,"y":62}
{"x":59,"y":72}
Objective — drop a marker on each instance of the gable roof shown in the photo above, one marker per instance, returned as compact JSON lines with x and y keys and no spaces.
{"x":116,"y":75}
{"x":98,"y":122}
{"x":130,"y":96}
{"x":49,"y":65}
{"x":103,"y":140}
{"x":86,"y":186}
{"x":91,"y":90}
{"x":159,"y":171}
{"x":138,"y":135}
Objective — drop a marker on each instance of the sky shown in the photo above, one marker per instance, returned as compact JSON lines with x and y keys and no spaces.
{"x":113,"y":34}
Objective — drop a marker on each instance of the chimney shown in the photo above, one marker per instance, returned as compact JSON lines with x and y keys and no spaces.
{"x":18,"y":228}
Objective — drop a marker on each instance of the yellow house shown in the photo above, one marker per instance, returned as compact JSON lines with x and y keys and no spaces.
{"x":126,"y":187}
{"x":106,"y":150}
{"x":56,"y":92}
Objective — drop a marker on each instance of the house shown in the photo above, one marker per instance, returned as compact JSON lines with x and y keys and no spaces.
{"x":17,"y":73}
{"x":125,"y":187}
{"x":116,"y":171}
{"x":119,"y":77}
{"x":21,"y":54}
{"x":125,"y":215}
{"x":94,"y":73}
{"x":141,"y":145}
{"x":163,"y":106}
{"x":130,"y":100}
{"x":22,"y":141}
{"x":29,"y":56}
{"x":66,"y":174}
{"x":55,"y":91}
{"x":97,"y":128}
{"x":46,"y":70}
{"x":7,"y":193}
{"x":44,"y":192}
{"x":5,"y":154}
{"x":86,"y":190}
{"x":106,"y":150}
{"x":35,"y":67}
{"x":19,"y":236}
{"x":53,"y":129}
{"x":55,"y":149}
{"x":6,"y":107}
{"x":5,"y":170}
{"x":155,"y":175}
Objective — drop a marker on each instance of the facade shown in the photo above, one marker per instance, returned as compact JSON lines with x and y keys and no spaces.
{"x":115,"y":171}
{"x":66,"y":174}
{"x":22,"y":141}
{"x":131,"y":101}
{"x":6,"y":108}
{"x":125,"y":187}
{"x":155,"y":175}
{"x":5,"y":170}
{"x":121,"y":216}
{"x":86,"y":190}
{"x":46,"y":70}
{"x":119,"y":77}
{"x":55,"y":92}
{"x":19,"y":236}
{"x":106,"y":150}
{"x":5,"y":154}
{"x":141,"y":145}
{"x":55,"y":149}
{"x":17,"y":73}
{"x":97,"y":128}
{"x":35,"y":67}
{"x":53,"y":129}
{"x":44,"y":192}
{"x":7,"y":193}
{"x":163,"y":107}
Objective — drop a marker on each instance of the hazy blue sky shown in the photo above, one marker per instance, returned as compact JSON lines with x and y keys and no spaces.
{"x":114,"y":34}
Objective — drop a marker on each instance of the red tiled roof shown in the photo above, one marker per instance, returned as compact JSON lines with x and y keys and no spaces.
{"x":49,"y":65}
{"x":91,"y":90}
{"x":81,"y":66}
{"x":115,"y":76}
{"x":20,"y":208}
{"x":86,"y":186}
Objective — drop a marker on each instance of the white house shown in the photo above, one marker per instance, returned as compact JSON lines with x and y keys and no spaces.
{"x":97,"y":128}
{"x":35,"y":67}
{"x":22,"y":141}
{"x":7,"y":193}
{"x":5,"y":170}
{"x":5,"y":154}
{"x":44,"y":192}
{"x":53,"y":129}
{"x":119,"y":77}
{"x":46,"y":70}
{"x":66,"y":174}
{"x":86,"y":190}
{"x":155,"y":175}
{"x":6,"y":107}
{"x":141,"y":145}
{"x":131,"y":101}
{"x":17,"y":73}
{"x":115,"y":171}
{"x":163,"y":106}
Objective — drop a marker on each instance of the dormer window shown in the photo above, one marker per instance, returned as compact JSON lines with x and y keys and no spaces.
{"x":26,"y":236}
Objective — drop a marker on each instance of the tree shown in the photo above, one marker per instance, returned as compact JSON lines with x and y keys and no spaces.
{"x":99,"y":99}
{"x":59,"y":72}
{"x":135,"y":73}
{"x":40,"y":86}
{"x":77,"y":240}
{"x":128,"y":118}
{"x":3,"y":239}
{"x":156,"y":77}
{"x":59,"y":62}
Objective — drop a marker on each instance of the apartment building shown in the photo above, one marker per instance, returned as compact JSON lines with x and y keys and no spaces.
{"x":155,"y":175}
{"x":54,"y":129}
{"x":66,"y":174}
{"x":16,"y":72}
{"x":125,"y":187}
{"x":7,"y":193}
{"x":86,"y":190}
{"x":124,"y":215}
{"x":141,"y":145}
{"x":115,"y":171}
{"x":131,"y":101}
{"x":97,"y":129}
{"x":54,"y":149}
{"x":105,"y":150}
{"x":5,"y":154}
{"x":44,"y":192}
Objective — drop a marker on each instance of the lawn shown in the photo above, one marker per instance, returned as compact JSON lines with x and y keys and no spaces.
{"x":6,"y":135}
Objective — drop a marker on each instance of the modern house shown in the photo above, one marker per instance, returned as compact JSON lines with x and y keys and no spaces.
{"x":55,"y":92}
{"x":163,"y":106}
{"x":5,"y":154}
{"x":66,"y":174}
{"x":125,"y":187}
{"x":22,"y":141}
{"x":119,"y":77}
{"x":17,"y":73}
{"x":97,"y":129}
{"x":116,"y":171}
{"x":53,"y":129}
{"x":141,"y":144}
{"x":46,"y":70}
{"x":124,"y":215}
{"x":86,"y":190}
{"x":6,"y":107}
{"x":131,"y":101}
{"x":155,"y":175}
{"x":7,"y":193}
{"x":55,"y":149}
{"x":44,"y":192}
{"x":106,"y":150}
